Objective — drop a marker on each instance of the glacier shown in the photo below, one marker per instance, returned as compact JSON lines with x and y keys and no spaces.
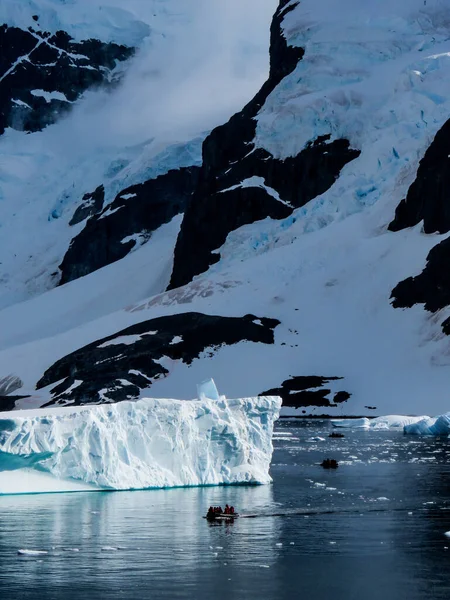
{"x":150,"y":443}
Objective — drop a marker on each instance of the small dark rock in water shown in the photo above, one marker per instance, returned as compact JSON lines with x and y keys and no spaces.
{"x":329,"y":463}
{"x":336,"y":435}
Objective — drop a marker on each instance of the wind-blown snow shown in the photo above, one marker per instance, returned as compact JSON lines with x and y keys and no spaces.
{"x":197,"y":62}
{"x":146,"y":444}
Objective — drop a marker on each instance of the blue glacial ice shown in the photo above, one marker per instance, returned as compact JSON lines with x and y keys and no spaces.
{"x":430,"y":426}
{"x":151,"y":443}
{"x":383,"y":423}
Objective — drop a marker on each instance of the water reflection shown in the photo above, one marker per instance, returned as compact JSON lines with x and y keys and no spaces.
{"x":156,"y":544}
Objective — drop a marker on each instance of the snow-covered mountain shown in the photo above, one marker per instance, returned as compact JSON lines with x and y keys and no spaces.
{"x":299,"y":248}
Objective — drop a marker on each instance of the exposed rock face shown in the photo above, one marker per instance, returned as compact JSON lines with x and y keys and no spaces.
{"x":90,"y":206}
{"x":431,"y":287}
{"x":8,"y":403}
{"x":42,"y":74}
{"x":9,"y":384}
{"x":428,"y":198}
{"x":135,"y":213}
{"x":230,"y":158}
{"x":118,"y":367}
{"x":303,"y":391}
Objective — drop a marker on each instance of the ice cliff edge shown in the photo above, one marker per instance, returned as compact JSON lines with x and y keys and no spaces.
{"x":151,"y":443}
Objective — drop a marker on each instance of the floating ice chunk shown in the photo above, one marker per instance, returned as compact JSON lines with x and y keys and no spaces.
{"x":207,"y":389}
{"x":264,"y":566}
{"x":25,"y":552}
{"x":363,"y":423}
{"x":109,"y":549}
{"x":279,"y":544}
{"x":316,"y":438}
{"x":447,"y":534}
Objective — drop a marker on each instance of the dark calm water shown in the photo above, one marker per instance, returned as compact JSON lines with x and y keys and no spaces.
{"x":385,"y":539}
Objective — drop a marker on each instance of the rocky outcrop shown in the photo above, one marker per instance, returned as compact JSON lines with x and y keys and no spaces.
{"x":135,"y":213}
{"x":306,"y":391}
{"x":90,"y":206}
{"x":42,"y":74}
{"x":222,"y":203}
{"x":431,"y":287}
{"x":118,"y":367}
{"x":428,"y":198}
{"x":9,"y":384}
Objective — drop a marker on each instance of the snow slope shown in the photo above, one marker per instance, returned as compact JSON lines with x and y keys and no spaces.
{"x":377,"y":75}
{"x":187,"y":76}
{"x":145,"y":444}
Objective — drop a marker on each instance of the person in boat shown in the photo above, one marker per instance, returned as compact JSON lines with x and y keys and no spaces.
{"x":231,"y":510}
{"x":210,"y":513}
{"x":227,"y":509}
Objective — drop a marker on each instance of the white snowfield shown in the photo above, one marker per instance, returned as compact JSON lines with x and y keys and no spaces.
{"x":151,"y":443}
{"x":377,"y":73}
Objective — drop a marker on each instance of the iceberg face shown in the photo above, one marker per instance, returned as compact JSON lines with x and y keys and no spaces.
{"x":207,"y":389}
{"x":362,"y":423}
{"x":386,"y":422}
{"x":394,"y":421}
{"x":151,"y":443}
{"x":430,"y":426}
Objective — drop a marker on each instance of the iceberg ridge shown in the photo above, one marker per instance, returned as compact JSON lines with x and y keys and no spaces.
{"x":151,"y":443}
{"x":430,"y":426}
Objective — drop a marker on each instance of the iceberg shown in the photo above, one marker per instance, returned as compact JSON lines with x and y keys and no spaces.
{"x":430,"y":426}
{"x":386,"y":422}
{"x":394,"y":421}
{"x":362,"y":423}
{"x":150,"y":443}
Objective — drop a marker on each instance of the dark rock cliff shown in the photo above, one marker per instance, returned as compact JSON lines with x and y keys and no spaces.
{"x":137,"y":210}
{"x":118,"y":367}
{"x":428,"y":200}
{"x":39,"y":62}
{"x":230,"y":157}
{"x":302,"y":391}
